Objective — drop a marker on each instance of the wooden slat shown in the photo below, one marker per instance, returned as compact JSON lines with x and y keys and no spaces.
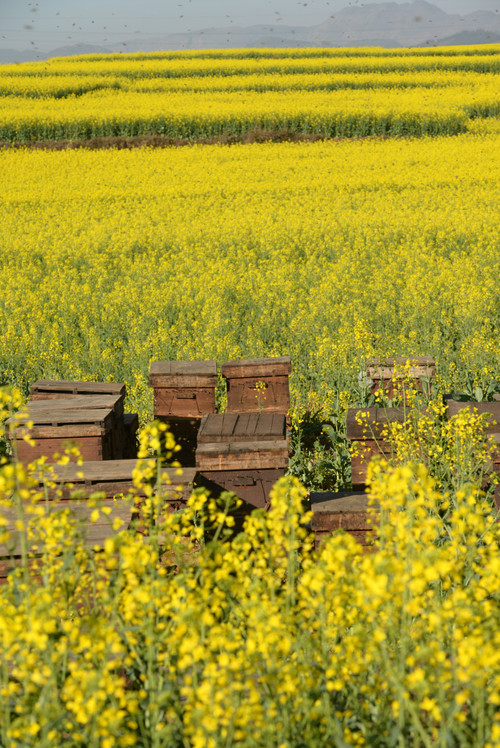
{"x":78,"y":402}
{"x":61,"y":416}
{"x":183,"y":374}
{"x":257,"y":367}
{"x":67,"y":387}
{"x":111,"y":470}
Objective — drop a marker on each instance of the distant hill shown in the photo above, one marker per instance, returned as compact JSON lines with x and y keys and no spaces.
{"x":385,"y":24}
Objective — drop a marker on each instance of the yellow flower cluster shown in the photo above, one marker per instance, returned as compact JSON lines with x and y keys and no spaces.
{"x":183,"y":636}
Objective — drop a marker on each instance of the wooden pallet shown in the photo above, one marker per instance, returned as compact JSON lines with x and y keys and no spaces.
{"x":258,"y":385}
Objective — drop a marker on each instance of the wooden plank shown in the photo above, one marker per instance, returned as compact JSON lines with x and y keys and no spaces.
{"x":60,"y":416}
{"x":78,"y":402}
{"x":338,"y":501}
{"x":392,"y":366}
{"x":257,"y":367}
{"x":64,"y":388}
{"x":183,"y":374}
{"x":242,"y":455}
{"x":491,"y":408}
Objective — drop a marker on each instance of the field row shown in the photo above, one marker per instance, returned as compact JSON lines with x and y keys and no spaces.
{"x":197,"y":115}
{"x":477,"y":59}
{"x":328,"y":252}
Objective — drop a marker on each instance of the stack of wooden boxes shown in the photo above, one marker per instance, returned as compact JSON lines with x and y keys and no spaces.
{"x":87,"y":414}
{"x":246,"y":449}
{"x":367,"y":429}
{"x":183,"y":392}
{"x":243,"y":452}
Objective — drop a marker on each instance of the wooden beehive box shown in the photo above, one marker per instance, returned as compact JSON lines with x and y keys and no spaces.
{"x":113,"y":402}
{"x":90,"y":430}
{"x":493,"y":410}
{"x":243,"y":452}
{"x":394,"y":375}
{"x":183,"y":391}
{"x":258,"y":385}
{"x":367,"y":428}
{"x":96,"y":532}
{"x":346,"y":510}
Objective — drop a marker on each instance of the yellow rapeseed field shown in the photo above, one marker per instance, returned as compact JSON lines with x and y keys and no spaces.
{"x":329,"y":251}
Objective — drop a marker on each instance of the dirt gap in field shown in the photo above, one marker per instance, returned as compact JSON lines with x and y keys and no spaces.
{"x":163,"y":141}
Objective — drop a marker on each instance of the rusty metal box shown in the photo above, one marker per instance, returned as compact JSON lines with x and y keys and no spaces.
{"x":258,"y":385}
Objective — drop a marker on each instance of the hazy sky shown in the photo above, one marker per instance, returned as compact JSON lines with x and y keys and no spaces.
{"x":45,"y":24}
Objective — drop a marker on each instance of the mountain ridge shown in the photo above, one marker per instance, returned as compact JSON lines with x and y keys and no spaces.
{"x":384,"y":24}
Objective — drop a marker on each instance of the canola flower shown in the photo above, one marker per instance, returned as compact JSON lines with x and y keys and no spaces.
{"x":181,"y":638}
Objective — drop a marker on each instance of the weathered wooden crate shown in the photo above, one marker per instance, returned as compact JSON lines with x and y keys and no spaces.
{"x":258,"y":385}
{"x":394,"y":375}
{"x":370,"y":437}
{"x":90,"y":430}
{"x":346,"y":510}
{"x":113,"y":402}
{"x":244,"y":453}
{"x":493,"y":428}
{"x":183,"y":389}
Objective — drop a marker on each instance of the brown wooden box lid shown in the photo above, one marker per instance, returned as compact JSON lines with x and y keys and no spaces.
{"x":78,"y":402}
{"x":383,"y":368}
{"x":373,"y":421}
{"x":65,"y":424}
{"x":183,"y":374}
{"x":242,"y":455}
{"x":257,"y":367}
{"x":69,"y":388}
{"x":493,"y":408}
{"x":241,"y":427}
